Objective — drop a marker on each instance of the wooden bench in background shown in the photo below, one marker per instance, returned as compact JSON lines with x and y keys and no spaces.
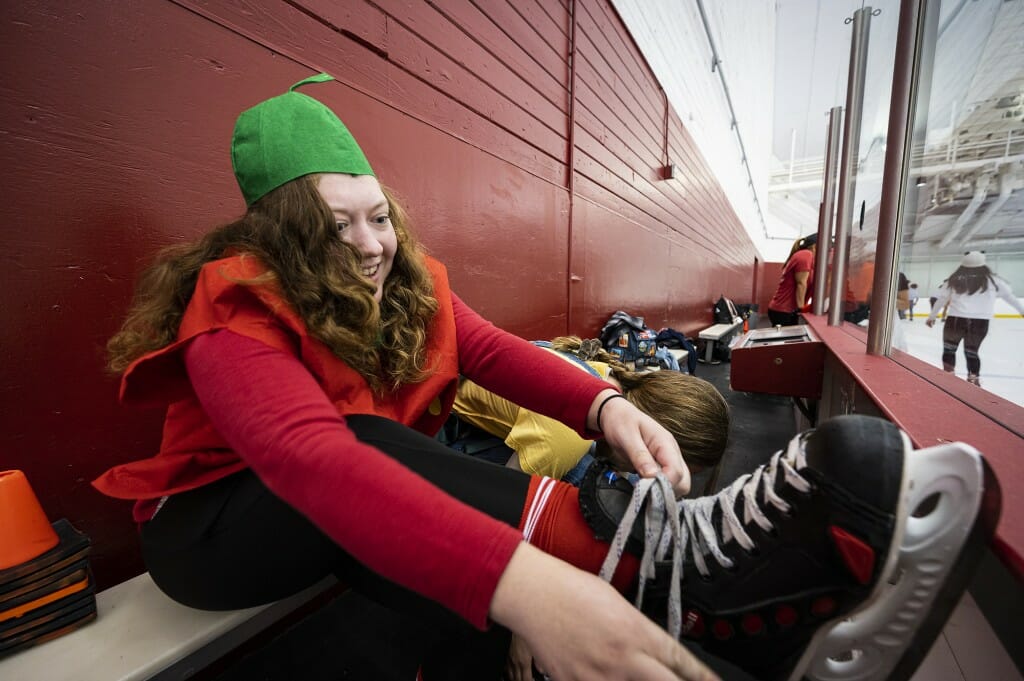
{"x":716,"y":334}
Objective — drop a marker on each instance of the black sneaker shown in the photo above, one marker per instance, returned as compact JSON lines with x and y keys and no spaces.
{"x":841,"y":558}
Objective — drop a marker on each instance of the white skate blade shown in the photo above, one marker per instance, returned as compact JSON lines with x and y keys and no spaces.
{"x":942,"y":492}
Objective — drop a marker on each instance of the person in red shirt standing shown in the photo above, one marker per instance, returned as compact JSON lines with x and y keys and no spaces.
{"x":794,"y":284}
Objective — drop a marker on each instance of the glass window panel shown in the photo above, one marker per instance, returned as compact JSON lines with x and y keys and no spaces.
{"x":966,"y":192}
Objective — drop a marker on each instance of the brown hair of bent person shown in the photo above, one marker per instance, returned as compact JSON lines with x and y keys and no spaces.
{"x":690,"y":408}
{"x":294,"y":234}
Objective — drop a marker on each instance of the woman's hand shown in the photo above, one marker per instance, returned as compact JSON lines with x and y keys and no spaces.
{"x":579,"y":628}
{"x":640,"y":443}
{"x":519,"y":666}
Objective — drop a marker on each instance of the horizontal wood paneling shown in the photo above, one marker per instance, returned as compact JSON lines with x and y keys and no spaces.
{"x":612,"y":53}
{"x":429,"y":46}
{"x":404,"y":80}
{"x":118,"y":117}
{"x":531,"y":36}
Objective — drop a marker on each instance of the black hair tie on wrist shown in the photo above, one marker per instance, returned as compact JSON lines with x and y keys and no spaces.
{"x":600,"y":408}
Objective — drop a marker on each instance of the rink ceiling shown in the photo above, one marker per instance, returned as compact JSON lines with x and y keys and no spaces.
{"x":118,"y":118}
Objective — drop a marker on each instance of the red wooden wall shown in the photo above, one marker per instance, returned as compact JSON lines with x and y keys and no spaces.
{"x":527,"y":137}
{"x":770,"y":273}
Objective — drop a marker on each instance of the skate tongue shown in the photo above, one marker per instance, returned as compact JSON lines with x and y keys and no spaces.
{"x":742,"y":505}
{"x":862,"y":454}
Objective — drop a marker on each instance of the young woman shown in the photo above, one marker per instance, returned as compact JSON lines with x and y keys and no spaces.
{"x":307,"y":352}
{"x":304,"y":352}
{"x":688,"y":407}
{"x":795,"y":283}
{"x":970,"y":294}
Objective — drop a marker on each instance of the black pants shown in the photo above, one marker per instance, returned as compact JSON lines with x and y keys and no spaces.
{"x":783,"y":318}
{"x":972,"y":332}
{"x":233,"y":544}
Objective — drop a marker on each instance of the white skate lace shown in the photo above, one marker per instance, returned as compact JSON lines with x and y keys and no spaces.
{"x":690,"y":525}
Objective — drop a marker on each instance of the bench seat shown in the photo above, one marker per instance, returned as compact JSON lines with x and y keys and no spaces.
{"x":715,"y":334}
{"x":139,"y":633}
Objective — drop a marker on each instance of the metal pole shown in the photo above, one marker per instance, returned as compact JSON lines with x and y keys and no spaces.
{"x":827,"y":209}
{"x":716,"y":66}
{"x":848,"y":165}
{"x":895,"y":182}
{"x":570,"y":182}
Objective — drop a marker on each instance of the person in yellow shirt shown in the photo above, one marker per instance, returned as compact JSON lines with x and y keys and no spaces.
{"x":688,"y":407}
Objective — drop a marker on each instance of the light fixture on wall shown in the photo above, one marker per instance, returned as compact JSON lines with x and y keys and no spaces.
{"x":667,"y":171}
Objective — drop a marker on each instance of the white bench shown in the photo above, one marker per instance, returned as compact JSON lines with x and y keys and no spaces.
{"x":714,"y":334}
{"x":139,"y":633}
{"x":681,"y":354}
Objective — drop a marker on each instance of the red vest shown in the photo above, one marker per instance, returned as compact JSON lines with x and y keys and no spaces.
{"x":192,"y":453}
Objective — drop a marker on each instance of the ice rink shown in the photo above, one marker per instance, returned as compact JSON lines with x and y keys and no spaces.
{"x":1002,"y":352}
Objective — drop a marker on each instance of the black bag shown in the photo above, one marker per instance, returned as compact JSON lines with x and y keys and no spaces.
{"x":630,"y":340}
{"x":725,"y":311}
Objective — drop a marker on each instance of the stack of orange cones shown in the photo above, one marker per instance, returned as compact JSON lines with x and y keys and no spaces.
{"x":46,"y":586}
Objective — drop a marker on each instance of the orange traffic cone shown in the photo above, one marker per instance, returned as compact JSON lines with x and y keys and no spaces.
{"x":25,"y":532}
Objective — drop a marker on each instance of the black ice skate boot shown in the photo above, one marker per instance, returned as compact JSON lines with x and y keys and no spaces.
{"x":840,"y":559}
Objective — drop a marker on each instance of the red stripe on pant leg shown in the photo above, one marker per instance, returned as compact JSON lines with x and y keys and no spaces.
{"x":562,"y":531}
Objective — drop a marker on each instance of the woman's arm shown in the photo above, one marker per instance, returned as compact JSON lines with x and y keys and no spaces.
{"x":801,"y":287}
{"x":941,"y":301}
{"x":638,"y":441}
{"x":522,"y":373}
{"x":1006,"y":293}
{"x":536,"y":379}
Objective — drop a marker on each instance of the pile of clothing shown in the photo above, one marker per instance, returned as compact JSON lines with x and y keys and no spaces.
{"x":635,"y":345}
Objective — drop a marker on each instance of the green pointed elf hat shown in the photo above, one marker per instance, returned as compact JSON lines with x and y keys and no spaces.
{"x":288,"y":136}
